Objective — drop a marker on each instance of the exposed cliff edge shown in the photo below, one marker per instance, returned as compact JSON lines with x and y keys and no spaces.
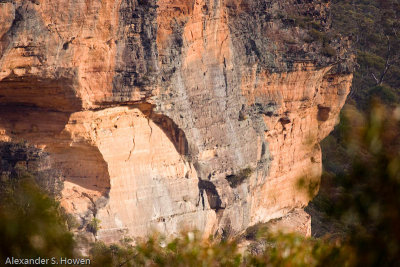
{"x":173,"y":114}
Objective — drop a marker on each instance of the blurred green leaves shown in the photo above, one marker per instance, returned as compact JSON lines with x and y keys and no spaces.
{"x":365,"y":196}
{"x":31,"y":224}
{"x":188,"y":249}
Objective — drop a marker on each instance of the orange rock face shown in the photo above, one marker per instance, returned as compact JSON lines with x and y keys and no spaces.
{"x":309,"y":102}
{"x":169,"y":115}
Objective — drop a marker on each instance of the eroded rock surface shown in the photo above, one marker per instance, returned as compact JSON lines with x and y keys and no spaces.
{"x":169,"y":115}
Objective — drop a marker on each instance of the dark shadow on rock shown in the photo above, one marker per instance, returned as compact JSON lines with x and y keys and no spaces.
{"x":176,"y":135}
{"x":81,"y":164}
{"x":30,"y":91}
{"x":213,"y":197}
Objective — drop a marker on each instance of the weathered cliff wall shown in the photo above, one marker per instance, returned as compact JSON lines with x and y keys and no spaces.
{"x":169,"y":115}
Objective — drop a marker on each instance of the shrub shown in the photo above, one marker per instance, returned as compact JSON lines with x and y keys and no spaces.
{"x":191,"y":250}
{"x":237,"y":179}
{"x":328,"y":51}
{"x":316,"y":35}
{"x":94,"y":225}
{"x":31,"y":224}
{"x":385,"y":93}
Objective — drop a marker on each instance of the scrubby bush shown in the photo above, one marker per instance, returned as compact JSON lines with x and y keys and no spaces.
{"x":362,"y":200}
{"x":31,"y":223}
{"x":94,"y":225}
{"x":190,"y":249}
{"x":235,"y":180}
{"x":328,"y":51}
{"x":373,"y":29}
{"x":187,"y":250}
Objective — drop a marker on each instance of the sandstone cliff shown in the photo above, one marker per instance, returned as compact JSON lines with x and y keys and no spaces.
{"x":168,"y":115}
